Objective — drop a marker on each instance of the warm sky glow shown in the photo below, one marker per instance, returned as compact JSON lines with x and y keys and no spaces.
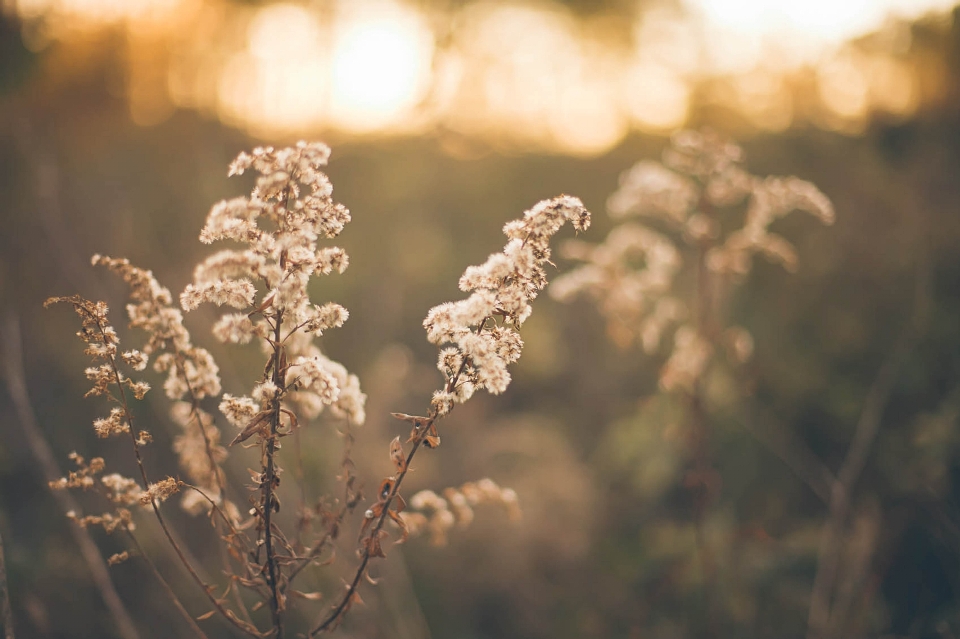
{"x":381,"y":65}
{"x":362,"y":69}
{"x":804,"y":27}
{"x":515,"y":73}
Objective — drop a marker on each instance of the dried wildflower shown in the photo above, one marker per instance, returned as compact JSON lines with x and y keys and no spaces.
{"x":83,"y":477}
{"x":123,"y":519}
{"x":503,"y":287}
{"x":114,"y":424}
{"x":279,"y":227}
{"x":190,"y":370}
{"x":654,"y":190}
{"x":483,"y":333}
{"x":122,"y":490}
{"x":631,"y":275}
{"x":118,"y":558}
{"x":436,"y":515}
{"x":282,"y":221}
{"x":635,"y":301}
{"x":160,"y":491}
{"x":686,"y":364}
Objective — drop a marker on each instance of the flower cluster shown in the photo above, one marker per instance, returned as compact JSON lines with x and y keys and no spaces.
{"x":279,"y":229}
{"x":635,"y":300}
{"x":483,"y":327}
{"x":431,"y":513}
{"x":191,"y":374}
{"x":632,"y":275}
{"x":289,"y":211}
{"x":119,"y":490}
{"x":280,"y":224}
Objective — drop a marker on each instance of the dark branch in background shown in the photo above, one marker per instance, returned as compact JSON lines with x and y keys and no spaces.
{"x":792,"y":450}
{"x":868,"y":425}
{"x":6,"y":615}
{"x":16,"y":385}
{"x":39,"y":156}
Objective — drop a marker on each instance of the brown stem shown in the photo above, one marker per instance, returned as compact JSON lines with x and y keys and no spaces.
{"x":166,"y":586}
{"x":704,"y":482}
{"x":40,"y":448}
{"x":156,"y":508}
{"x":421,"y":435}
{"x":365,"y":557}
{"x":350,"y":499}
{"x":218,"y":474}
{"x":267,"y":487}
{"x":865,"y":433}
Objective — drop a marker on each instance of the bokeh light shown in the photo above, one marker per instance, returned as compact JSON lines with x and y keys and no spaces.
{"x":514,"y":74}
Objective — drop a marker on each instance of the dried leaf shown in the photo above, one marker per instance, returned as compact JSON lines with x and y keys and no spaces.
{"x":398,"y":520}
{"x":312,"y":596}
{"x":206,"y":615}
{"x":293,"y":418}
{"x":432,"y":440}
{"x":355,"y":598}
{"x":370,"y":516}
{"x":255,"y":424}
{"x":373,"y":546}
{"x":396,"y":454}
{"x":386,"y":487}
{"x":409,"y":418}
{"x":251,"y":583}
{"x":264,"y":306}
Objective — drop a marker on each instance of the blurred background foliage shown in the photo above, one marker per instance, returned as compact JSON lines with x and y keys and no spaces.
{"x":118,"y":119}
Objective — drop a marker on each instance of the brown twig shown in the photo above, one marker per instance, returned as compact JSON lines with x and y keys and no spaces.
{"x":704,"y":482}
{"x":793,"y":451}
{"x":267,"y":485}
{"x":40,"y":448}
{"x":207,"y":589}
{"x":421,"y":435}
{"x":350,"y":499}
{"x":347,"y":599}
{"x":865,"y":433}
{"x":166,"y":586}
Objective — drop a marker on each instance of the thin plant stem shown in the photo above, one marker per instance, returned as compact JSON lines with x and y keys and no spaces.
{"x":42,"y":452}
{"x":267,"y":486}
{"x":865,"y":433}
{"x":339,"y":609}
{"x":232,"y":618}
{"x":218,"y":474}
{"x":6,"y":614}
{"x":166,"y":586}
{"x":331,"y":619}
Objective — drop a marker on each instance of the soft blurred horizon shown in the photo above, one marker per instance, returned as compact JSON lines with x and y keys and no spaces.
{"x":447,"y":118}
{"x":562,"y":77}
